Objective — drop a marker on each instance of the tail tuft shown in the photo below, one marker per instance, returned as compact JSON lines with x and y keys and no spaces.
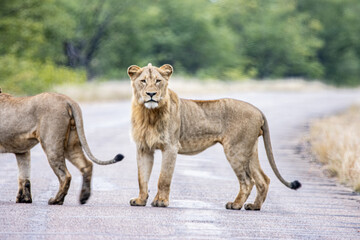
{"x":295,"y":184}
{"x":119,"y":157}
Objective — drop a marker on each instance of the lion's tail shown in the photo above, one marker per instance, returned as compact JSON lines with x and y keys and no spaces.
{"x":266,"y":136}
{"x":76,"y":112}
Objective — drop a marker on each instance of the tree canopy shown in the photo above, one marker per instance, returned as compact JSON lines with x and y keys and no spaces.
{"x":222,"y":39}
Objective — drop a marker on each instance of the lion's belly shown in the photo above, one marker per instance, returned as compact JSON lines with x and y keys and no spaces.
{"x":18,"y":143}
{"x":198,"y":134}
{"x":196,"y":145}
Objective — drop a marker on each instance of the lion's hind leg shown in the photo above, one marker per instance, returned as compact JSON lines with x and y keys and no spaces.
{"x":57,"y":163}
{"x":52,"y":138}
{"x":262,"y":185}
{"x":24,"y":192}
{"x":239,"y":161}
{"x":75,"y":154}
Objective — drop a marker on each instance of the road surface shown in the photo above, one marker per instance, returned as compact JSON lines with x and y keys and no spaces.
{"x":202,"y":184}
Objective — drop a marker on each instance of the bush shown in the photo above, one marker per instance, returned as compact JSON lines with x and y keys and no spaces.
{"x":25,"y":77}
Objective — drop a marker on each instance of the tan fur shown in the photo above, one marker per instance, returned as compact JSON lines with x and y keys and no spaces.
{"x":183,"y":126}
{"x":56,"y":122}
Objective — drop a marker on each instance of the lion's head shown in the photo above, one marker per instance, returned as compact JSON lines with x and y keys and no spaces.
{"x":150,"y":84}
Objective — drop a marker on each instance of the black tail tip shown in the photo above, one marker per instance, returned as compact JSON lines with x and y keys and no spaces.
{"x":119,"y":157}
{"x":295,"y":185}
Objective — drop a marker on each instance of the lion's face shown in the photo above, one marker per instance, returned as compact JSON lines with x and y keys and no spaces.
{"x":150,"y":84}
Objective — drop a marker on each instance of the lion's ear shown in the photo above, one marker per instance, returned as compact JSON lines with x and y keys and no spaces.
{"x":166,"y":70}
{"x":132,"y":71}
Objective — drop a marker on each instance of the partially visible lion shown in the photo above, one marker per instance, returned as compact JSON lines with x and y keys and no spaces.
{"x":56,"y":122}
{"x":162,"y":120}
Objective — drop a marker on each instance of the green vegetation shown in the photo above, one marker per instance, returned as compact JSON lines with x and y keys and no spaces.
{"x":29,"y":77}
{"x":32,"y":33}
{"x":45,"y":42}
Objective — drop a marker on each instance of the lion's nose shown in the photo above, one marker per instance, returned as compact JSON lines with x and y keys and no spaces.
{"x":151,"y":94}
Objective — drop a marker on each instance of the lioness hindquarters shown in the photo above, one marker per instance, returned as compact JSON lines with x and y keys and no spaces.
{"x":56,"y":122}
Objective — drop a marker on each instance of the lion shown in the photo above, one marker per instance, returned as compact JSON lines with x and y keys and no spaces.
{"x":56,"y":122}
{"x":162,"y":121}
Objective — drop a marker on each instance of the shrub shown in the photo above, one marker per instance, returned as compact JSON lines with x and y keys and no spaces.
{"x":25,"y":77}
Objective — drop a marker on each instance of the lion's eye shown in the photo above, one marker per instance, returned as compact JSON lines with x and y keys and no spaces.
{"x":158,"y":81}
{"x":143,"y":81}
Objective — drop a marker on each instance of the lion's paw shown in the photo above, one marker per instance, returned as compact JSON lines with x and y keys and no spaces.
{"x":24,"y":193}
{"x":160,"y":203}
{"x":250,"y":206}
{"x":22,"y":198}
{"x":233,"y":206}
{"x":53,"y":201}
{"x":137,"y":202}
{"x":84,"y":196}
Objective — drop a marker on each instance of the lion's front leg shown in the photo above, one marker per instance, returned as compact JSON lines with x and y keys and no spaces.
{"x":24,"y":193}
{"x":145,"y":161}
{"x":167,"y":169}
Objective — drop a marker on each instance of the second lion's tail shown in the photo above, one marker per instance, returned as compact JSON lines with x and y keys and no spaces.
{"x":76,"y":112}
{"x":266,"y":136}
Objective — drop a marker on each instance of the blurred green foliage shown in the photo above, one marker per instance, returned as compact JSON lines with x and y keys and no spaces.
{"x":58,"y":41}
{"x":26,"y":77}
{"x":340,"y":33}
{"x":32,"y":33}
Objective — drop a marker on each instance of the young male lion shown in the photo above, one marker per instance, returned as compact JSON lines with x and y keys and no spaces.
{"x":56,"y":122}
{"x":162,"y":120}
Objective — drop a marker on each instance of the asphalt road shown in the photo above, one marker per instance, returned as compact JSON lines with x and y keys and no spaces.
{"x":202,"y":184}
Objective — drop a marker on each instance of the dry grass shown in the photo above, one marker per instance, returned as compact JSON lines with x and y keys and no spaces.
{"x":335,"y":142}
{"x":119,"y":90}
{"x":97,"y":91}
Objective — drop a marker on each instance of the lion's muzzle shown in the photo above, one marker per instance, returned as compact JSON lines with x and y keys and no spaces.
{"x":151,"y":104}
